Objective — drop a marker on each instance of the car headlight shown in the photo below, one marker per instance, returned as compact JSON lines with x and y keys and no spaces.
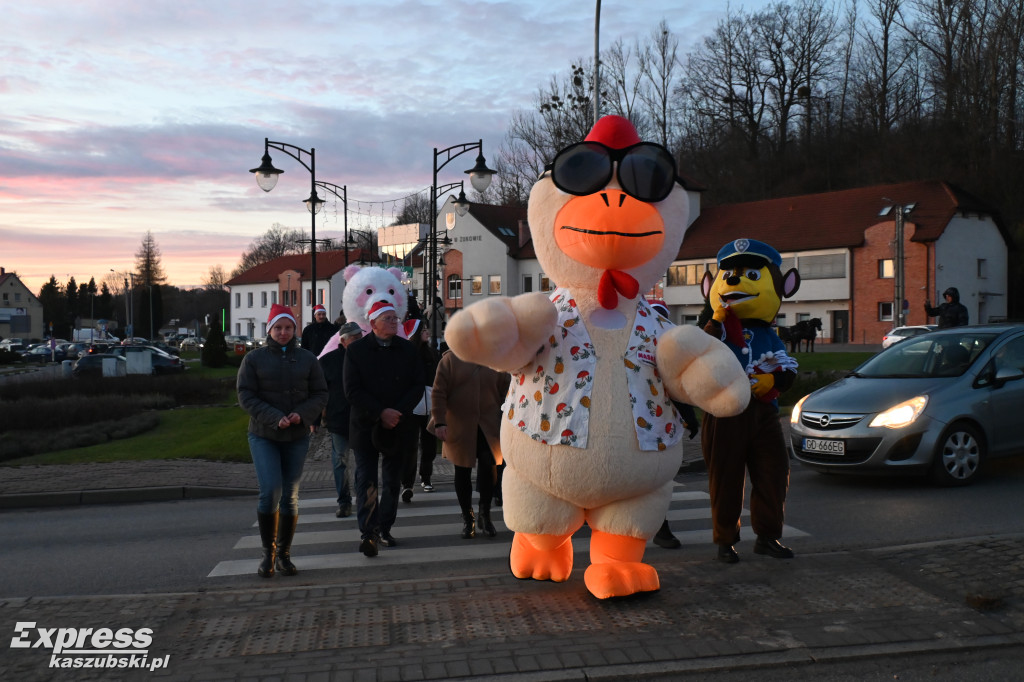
{"x":901,"y":415}
{"x":794,"y":416}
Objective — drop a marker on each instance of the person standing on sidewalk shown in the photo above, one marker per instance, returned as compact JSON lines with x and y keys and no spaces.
{"x":283,"y":389}
{"x":318,"y":332}
{"x":952,"y":313}
{"x":419,"y":335}
{"x":465,"y":414}
{"x":337,"y":413}
{"x":383,"y":383}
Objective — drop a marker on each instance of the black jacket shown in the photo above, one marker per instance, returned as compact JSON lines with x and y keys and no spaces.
{"x":378,"y":377}
{"x":274,"y":381}
{"x":338,"y":407}
{"x":316,"y":335}
{"x":952,"y":314}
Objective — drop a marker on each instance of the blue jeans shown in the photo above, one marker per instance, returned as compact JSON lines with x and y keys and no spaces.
{"x":339,"y":444}
{"x":278,"y":470}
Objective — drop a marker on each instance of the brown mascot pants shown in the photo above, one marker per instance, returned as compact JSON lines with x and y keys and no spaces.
{"x":751,"y":441}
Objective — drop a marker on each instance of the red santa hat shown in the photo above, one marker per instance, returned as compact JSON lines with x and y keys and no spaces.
{"x":614,"y":132}
{"x":319,"y":309}
{"x":278,"y":312}
{"x":378,"y":309}
{"x":411,"y":327}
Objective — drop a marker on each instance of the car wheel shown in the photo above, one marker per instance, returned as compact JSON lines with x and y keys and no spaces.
{"x":958,"y":456}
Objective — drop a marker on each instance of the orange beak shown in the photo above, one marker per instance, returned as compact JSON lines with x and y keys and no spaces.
{"x":609,"y":230}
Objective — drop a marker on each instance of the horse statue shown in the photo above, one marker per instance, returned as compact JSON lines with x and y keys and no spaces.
{"x":804,"y":330}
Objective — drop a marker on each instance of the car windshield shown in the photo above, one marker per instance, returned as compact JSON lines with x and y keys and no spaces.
{"x":946,"y":354}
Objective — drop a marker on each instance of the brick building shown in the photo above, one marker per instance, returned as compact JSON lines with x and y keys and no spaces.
{"x":844,"y":250}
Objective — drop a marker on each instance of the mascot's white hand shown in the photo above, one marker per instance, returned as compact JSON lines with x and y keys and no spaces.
{"x":502,"y":333}
{"x":700,"y":370}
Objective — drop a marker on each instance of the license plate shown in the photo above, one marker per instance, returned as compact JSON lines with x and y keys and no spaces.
{"x":830,"y":447}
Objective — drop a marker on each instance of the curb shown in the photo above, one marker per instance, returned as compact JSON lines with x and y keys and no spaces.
{"x":119,"y":495}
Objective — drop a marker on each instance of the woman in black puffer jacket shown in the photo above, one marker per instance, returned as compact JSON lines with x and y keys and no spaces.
{"x":283,"y":389}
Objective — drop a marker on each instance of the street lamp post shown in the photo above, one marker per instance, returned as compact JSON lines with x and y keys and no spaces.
{"x":266,"y":178}
{"x":461,"y":207}
{"x":899,"y":274}
{"x":342,"y":193}
{"x":480,"y":178}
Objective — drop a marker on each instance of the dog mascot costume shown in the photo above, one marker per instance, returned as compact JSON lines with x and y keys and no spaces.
{"x":745,"y":296}
{"x":588,"y":424}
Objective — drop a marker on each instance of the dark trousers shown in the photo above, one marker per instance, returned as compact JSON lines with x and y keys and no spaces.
{"x":428,"y":451}
{"x":377,"y":499}
{"x":486,"y":476}
{"x":749,"y":442}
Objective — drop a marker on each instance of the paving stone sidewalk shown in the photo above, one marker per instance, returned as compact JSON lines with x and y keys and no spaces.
{"x":935,"y":598}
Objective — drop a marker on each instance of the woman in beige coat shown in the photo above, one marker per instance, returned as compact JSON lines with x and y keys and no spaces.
{"x":465,"y":414}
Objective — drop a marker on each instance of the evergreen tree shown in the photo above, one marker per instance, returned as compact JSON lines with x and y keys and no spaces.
{"x":215,"y":350}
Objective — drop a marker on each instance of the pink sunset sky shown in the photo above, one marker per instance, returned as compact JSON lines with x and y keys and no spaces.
{"x":118,"y":118}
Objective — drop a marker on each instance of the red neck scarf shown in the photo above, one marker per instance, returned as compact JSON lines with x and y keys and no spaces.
{"x":613,"y":283}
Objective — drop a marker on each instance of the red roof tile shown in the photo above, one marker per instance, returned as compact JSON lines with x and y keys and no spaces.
{"x":827,"y":220}
{"x":327,"y":264}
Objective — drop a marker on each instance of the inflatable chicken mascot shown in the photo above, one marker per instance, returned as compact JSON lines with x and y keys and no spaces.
{"x":745,"y":296}
{"x":588,"y":424}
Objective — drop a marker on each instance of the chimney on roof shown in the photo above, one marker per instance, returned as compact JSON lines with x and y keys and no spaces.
{"x":524,"y":233}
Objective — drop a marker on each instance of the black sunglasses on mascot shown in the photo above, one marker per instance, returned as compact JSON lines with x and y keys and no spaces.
{"x":646,"y":171}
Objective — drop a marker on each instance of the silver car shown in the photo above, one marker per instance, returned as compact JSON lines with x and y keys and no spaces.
{"x":939,"y":405}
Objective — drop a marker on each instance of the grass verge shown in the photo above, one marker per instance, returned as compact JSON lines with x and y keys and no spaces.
{"x":212,"y":433}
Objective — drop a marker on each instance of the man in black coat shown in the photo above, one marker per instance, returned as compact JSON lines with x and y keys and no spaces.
{"x":336,"y":416}
{"x":383,"y":383}
{"x":952,"y":313}
{"x":318,"y":332}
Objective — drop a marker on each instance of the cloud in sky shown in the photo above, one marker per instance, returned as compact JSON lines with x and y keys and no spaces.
{"x":120,"y":117}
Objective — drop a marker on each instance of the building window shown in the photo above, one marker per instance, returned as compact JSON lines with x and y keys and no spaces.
{"x":688,"y":319}
{"x":273,"y":297}
{"x":454,"y":287}
{"x":494,"y":285}
{"x":238,"y":300}
{"x":248,"y":299}
{"x":828,"y":266}
{"x":982,"y":268}
{"x":263,"y":328}
{"x":17,"y":297}
{"x":788,"y":264}
{"x":320,"y":296}
{"x":527,"y":284}
{"x":263,"y":299}
{"x":684,"y":275}
{"x":545,"y":283}
{"x":886,"y":269}
{"x":6,"y":299}
{"x":885,"y":311}
{"x":780,"y":320}
{"x":803,"y":317}
{"x":476,"y":286}
{"x":238,"y":328}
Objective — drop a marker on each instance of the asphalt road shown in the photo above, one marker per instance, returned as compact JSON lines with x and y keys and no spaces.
{"x":174,"y":546}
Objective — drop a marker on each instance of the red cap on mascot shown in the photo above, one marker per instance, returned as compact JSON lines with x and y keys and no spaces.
{"x":615,"y":132}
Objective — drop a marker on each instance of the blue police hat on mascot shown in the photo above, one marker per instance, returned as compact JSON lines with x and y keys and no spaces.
{"x":749,"y":247}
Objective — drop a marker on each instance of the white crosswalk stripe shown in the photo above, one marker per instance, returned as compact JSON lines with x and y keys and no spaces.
{"x":428,"y":531}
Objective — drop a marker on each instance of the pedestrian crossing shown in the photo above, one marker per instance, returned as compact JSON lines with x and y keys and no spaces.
{"x":428,"y":531}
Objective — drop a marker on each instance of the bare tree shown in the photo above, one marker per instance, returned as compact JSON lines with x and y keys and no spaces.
{"x":277,"y":241}
{"x":415,"y":209}
{"x":215,"y":279}
{"x":657,"y":63}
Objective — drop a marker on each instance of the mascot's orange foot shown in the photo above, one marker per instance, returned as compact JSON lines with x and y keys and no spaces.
{"x":541,"y":557}
{"x":621,"y":579}
{"x":616,"y":569}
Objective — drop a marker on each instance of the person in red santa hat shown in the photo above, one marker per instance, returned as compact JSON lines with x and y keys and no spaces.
{"x":419,"y":334}
{"x":383,"y":379}
{"x":318,"y":332}
{"x":283,"y":389}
